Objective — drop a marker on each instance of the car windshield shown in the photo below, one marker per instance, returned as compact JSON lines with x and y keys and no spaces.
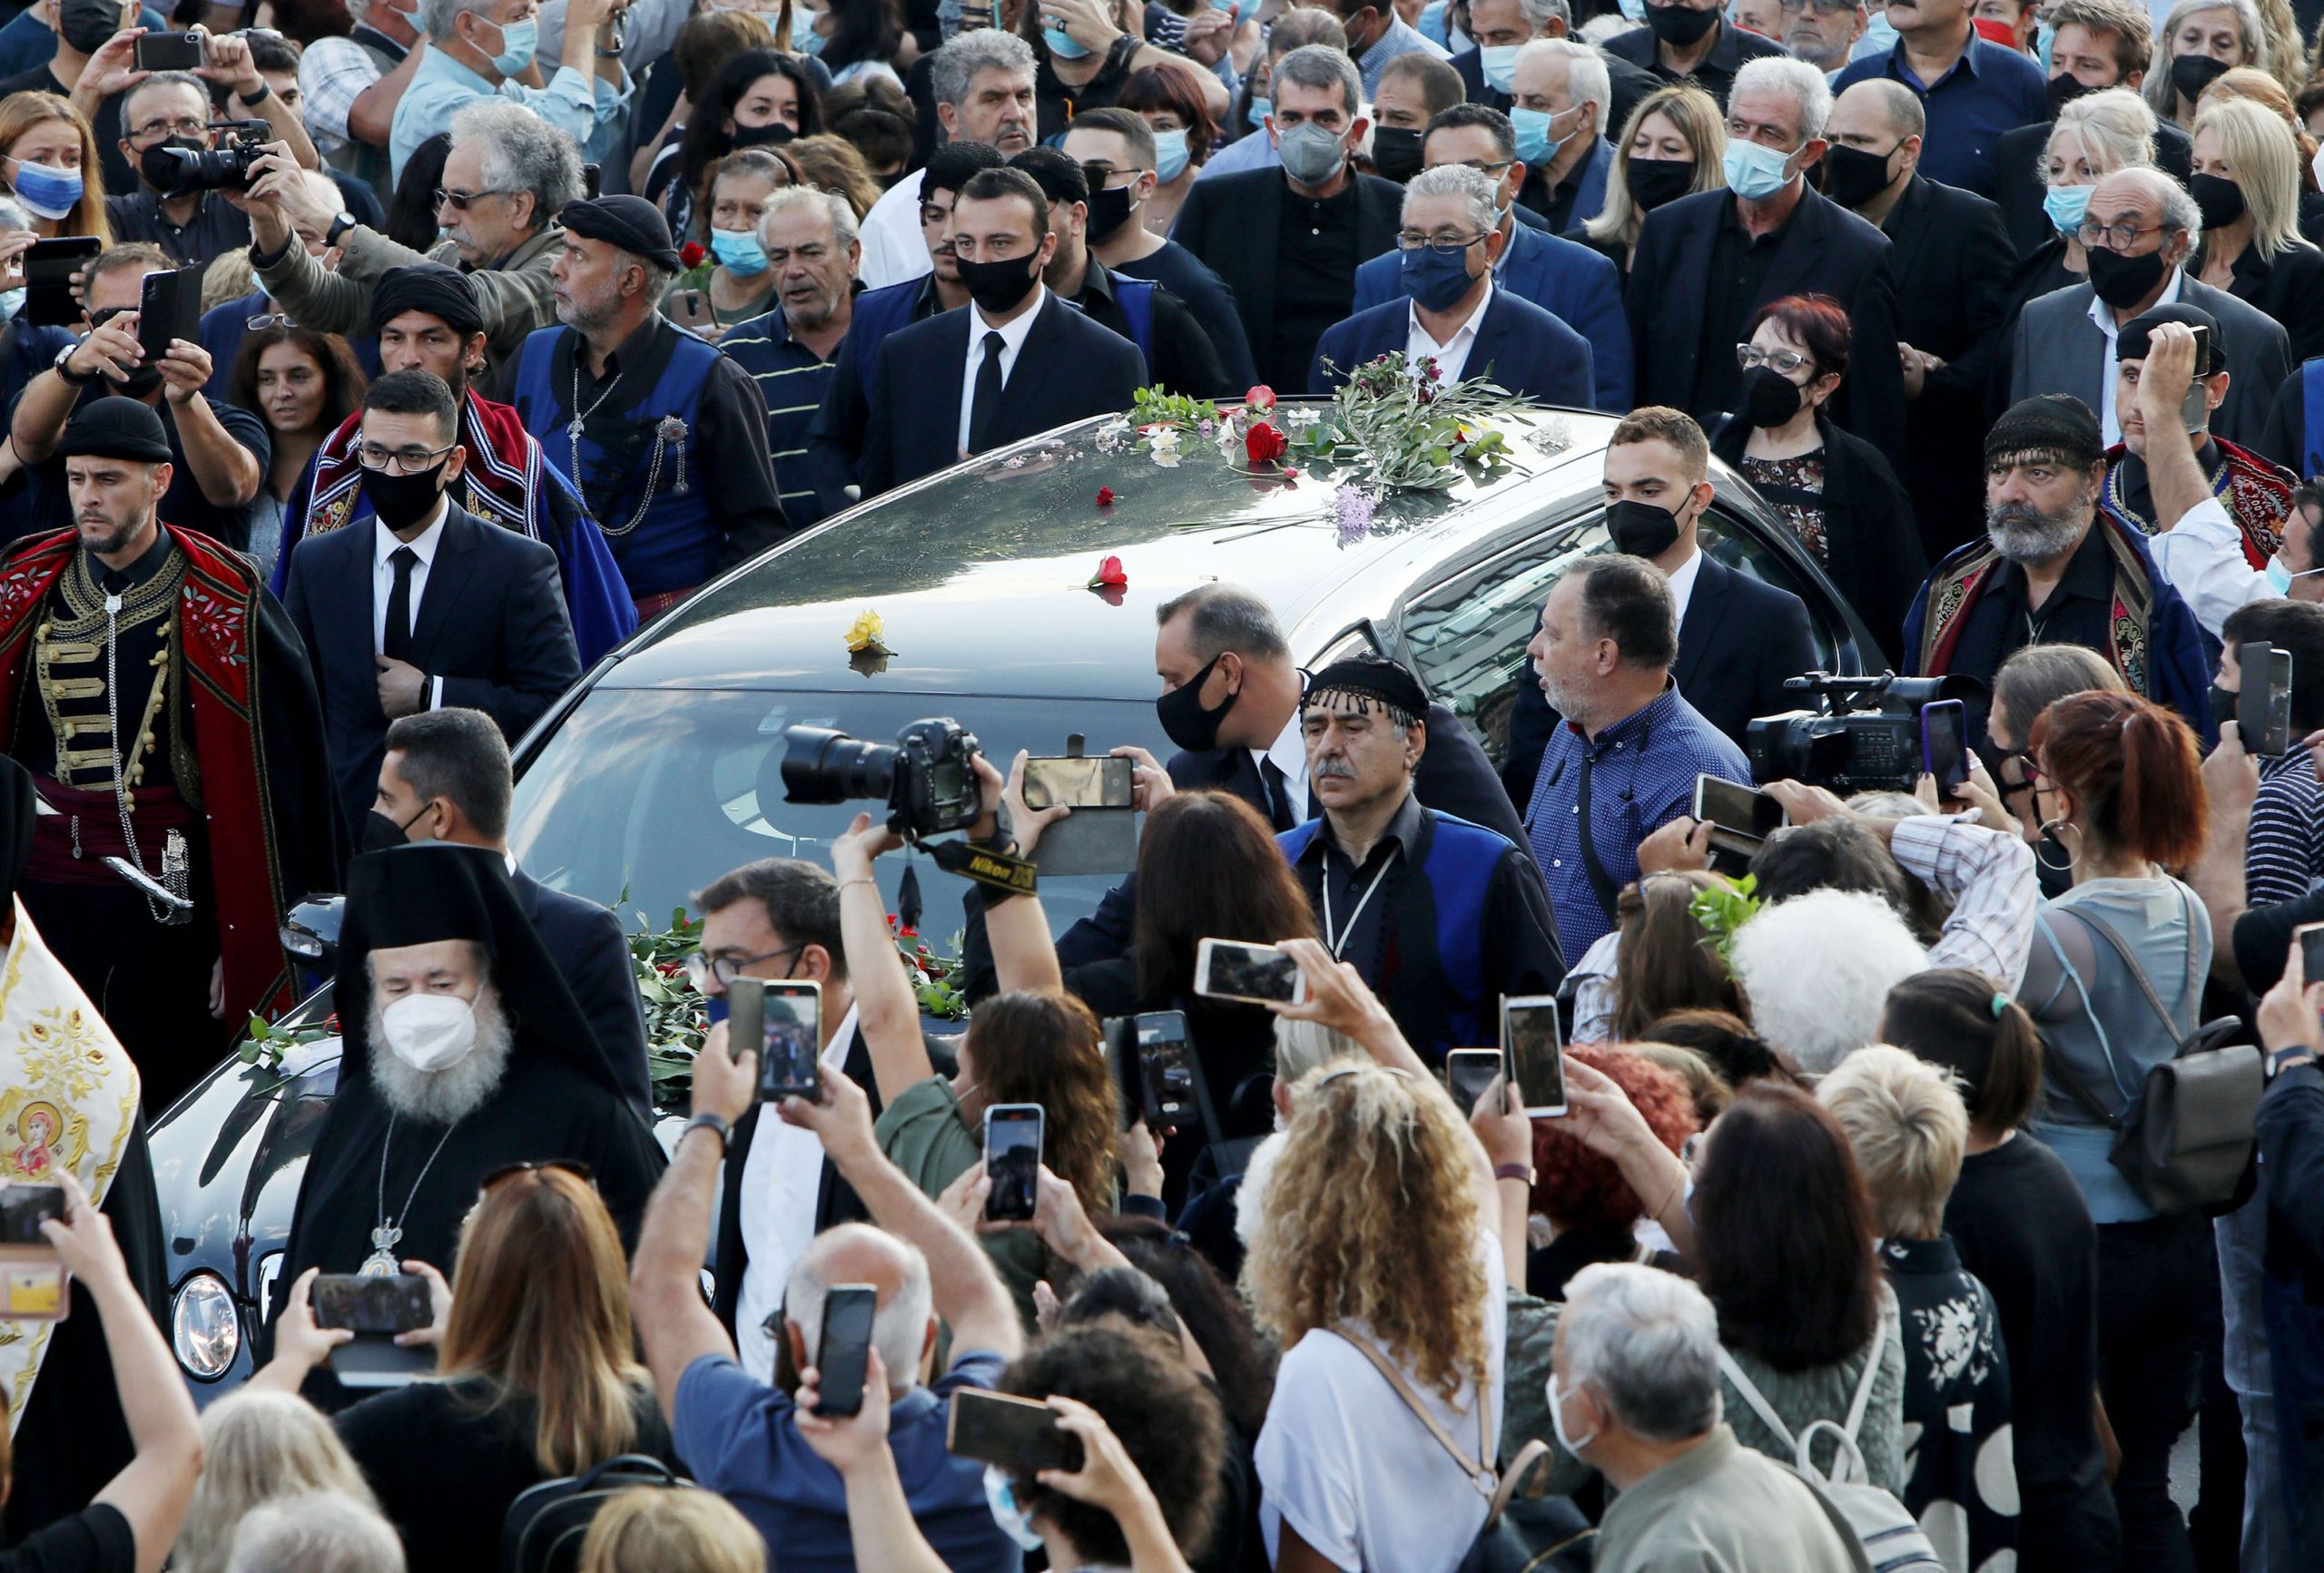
{"x":642,"y":797}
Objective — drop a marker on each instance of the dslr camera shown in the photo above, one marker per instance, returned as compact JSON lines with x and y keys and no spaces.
{"x":1864,"y":734}
{"x":924,"y":779}
{"x":177,"y":169}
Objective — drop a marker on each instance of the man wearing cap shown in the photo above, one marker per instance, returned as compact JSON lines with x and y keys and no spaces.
{"x":163,"y":703}
{"x":1442,"y":917}
{"x":2217,"y":514}
{"x":426,"y":318}
{"x":665,"y":436}
{"x":2056,"y":569}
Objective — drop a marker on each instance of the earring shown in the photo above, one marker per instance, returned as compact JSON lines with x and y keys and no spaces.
{"x":2051,"y":829}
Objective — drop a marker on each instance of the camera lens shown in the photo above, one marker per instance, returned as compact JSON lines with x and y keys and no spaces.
{"x":823,"y":766}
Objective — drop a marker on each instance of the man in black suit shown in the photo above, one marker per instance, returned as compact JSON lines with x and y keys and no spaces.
{"x":1952,"y":263}
{"x":1690,"y":41}
{"x":1739,"y":638}
{"x":1014,"y":362}
{"x":1705,"y":262}
{"x":1288,"y":240}
{"x":446,"y":777}
{"x":430,"y":606}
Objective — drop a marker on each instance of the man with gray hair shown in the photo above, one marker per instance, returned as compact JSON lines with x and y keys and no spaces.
{"x":812,"y":252}
{"x":983,"y":84}
{"x":477,"y":48}
{"x":1973,"y":88}
{"x":1287,"y":242}
{"x":1296,"y":28}
{"x":1706,"y":263}
{"x":167,"y":117}
{"x":1453,"y":322}
{"x":507,"y":177}
{"x":2139,"y":231}
{"x":1634,"y":1391}
{"x":1823,"y":32}
{"x":1561,"y":97}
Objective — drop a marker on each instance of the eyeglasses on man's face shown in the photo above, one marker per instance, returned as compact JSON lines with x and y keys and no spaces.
{"x":700,"y":969}
{"x":1413,"y":241}
{"x":459,"y":200}
{"x":2119,"y":237}
{"x":406,"y":460}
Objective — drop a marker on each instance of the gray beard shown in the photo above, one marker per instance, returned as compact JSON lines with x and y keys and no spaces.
{"x":441,"y":1098}
{"x":2030,"y":539}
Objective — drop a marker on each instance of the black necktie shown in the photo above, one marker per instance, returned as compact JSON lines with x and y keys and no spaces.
{"x":396,"y":644}
{"x":985,"y":413}
{"x":1278,"y":798}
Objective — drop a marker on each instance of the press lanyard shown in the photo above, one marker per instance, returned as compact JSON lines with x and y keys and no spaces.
{"x":1363,"y":900}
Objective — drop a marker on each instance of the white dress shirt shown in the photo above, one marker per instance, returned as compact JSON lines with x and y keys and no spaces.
{"x":1289,"y":752}
{"x":383,"y":582}
{"x":781,"y":1177}
{"x":1682,"y":583}
{"x":894,"y":249}
{"x":2202,"y":556}
{"x":1451,"y":356}
{"x":2110,"y":426}
{"x":1013,"y":335}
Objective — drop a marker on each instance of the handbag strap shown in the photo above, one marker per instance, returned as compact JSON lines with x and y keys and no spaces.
{"x":2070,"y":1077}
{"x":1478,"y":1469}
{"x":1857,"y":1404}
{"x":1757,"y":1400}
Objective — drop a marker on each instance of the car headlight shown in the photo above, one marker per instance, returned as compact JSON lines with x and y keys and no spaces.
{"x":205,"y":1330}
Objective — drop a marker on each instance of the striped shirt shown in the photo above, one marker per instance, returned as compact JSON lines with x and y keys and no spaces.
{"x":2283,"y":852}
{"x":790,"y":380}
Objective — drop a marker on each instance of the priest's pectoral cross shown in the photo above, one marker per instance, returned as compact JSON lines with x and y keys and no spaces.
{"x":381,"y":1262}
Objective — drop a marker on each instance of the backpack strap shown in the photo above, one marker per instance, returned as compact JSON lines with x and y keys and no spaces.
{"x":1863,"y":1400}
{"x":1478,"y":1469}
{"x":1757,"y":1400}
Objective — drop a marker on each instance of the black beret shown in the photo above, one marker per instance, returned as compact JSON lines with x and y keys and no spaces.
{"x":631,"y":224}
{"x":2138,"y":334}
{"x":116,"y":427}
{"x":429,"y":287}
{"x":1369,"y":677}
{"x":2056,"y":427}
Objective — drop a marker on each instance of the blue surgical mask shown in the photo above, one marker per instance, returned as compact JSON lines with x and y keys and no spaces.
{"x":49,"y":193}
{"x":1170,"y":155}
{"x":1241,"y":9}
{"x":2066,"y":206}
{"x":1001,"y":1497}
{"x":519,"y":42}
{"x":13,"y":302}
{"x":1437,"y":279}
{"x":2279,"y":577}
{"x":1879,"y":38}
{"x":2045,"y":38}
{"x":1635,"y":10}
{"x":1061,"y":42}
{"x":1500,"y":62}
{"x":1754,"y":172}
{"x":804,"y":39}
{"x":739,"y":252}
{"x":1260,"y":109}
{"x":1535,"y":145}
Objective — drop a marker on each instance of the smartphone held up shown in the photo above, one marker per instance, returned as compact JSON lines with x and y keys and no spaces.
{"x":1532,"y":1047}
{"x":784,"y":1018}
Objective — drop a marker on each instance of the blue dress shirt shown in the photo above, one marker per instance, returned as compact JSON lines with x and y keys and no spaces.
{"x":585,"y":108}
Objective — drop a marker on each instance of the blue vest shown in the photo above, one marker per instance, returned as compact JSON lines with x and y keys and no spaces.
{"x":674,"y":543}
{"x":1136,"y":298}
{"x":2311,"y":397}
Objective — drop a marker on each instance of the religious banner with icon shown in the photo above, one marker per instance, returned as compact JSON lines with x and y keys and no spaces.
{"x":68,"y":1096}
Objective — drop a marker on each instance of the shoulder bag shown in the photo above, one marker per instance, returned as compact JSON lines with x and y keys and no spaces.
{"x":547,"y":1522}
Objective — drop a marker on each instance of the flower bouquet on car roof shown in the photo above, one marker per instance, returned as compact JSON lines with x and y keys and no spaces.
{"x":1391,"y":430}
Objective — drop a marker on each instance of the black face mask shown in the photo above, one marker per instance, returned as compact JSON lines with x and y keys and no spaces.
{"x":382,"y":833}
{"x":2064,"y":90}
{"x":2123,"y":281}
{"x":1853,"y":176}
{"x":85,"y":25}
{"x":2191,"y":73}
{"x":774,"y":134}
{"x":1680,"y":25}
{"x":999,"y":286}
{"x":2223,"y":703}
{"x":1184,"y":721}
{"x":1395,"y":153}
{"x":403,"y":501}
{"x":1769,"y":397}
{"x":1654,"y":182}
{"x":1641,"y":530}
{"x":1109,"y":208}
{"x":2221,"y":200}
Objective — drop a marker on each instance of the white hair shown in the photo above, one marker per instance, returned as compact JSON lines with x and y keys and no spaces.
{"x":2176,"y":208}
{"x":1819,"y":1015}
{"x":437,"y":1097}
{"x":842,"y":212}
{"x":1586,"y":76}
{"x":522,"y":152}
{"x":899,"y":1326}
{"x":1472,"y":186}
{"x":1648,"y":1340}
{"x":953,"y":69}
{"x":318,"y":1532}
{"x":1797,"y":80}
{"x":1539,"y":14}
{"x":2160,"y":92}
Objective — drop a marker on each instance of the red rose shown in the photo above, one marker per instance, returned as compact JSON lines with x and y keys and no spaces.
{"x":1264,"y":443}
{"x":1104,"y":497}
{"x":1110,"y":575}
{"x":1260,"y":398}
{"x":691,"y":254}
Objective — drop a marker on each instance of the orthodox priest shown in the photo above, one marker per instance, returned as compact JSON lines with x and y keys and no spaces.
{"x":163,"y":704}
{"x":427,"y":320}
{"x":463,"y":1053}
{"x":68,"y":1103}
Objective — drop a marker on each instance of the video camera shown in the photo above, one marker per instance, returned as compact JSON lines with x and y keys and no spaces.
{"x":1864,"y":734}
{"x":925,"y":779}
{"x":177,"y":172}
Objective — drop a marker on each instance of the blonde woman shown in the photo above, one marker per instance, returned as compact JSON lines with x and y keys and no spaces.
{"x":1674,"y":146}
{"x":259,"y":1446}
{"x":2246,"y":180}
{"x":2261,"y":89}
{"x":2200,"y":39}
{"x":2093,"y":136}
{"x":649,"y":1531}
{"x":48,"y":162}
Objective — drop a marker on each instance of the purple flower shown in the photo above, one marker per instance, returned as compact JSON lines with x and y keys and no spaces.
{"x":1355,"y":509}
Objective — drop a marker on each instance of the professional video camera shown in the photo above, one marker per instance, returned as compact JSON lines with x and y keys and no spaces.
{"x":1864,"y":734}
{"x":179,"y":168}
{"x":925,"y":779}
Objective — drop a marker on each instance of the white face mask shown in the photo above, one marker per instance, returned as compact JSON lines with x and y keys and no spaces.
{"x":1557,"y":1421}
{"x":430,"y":1032}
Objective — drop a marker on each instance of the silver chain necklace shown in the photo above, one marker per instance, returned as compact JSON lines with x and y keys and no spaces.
{"x":671,"y":428}
{"x":382,"y":1263}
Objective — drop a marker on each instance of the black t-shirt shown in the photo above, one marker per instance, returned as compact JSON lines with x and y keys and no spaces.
{"x":96,"y":1540}
{"x":446,"y":1463}
{"x":183,"y":504}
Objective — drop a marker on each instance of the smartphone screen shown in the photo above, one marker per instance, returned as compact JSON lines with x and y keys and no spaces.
{"x":369,"y":1302}
{"x":168,"y":51}
{"x":792,"y":1040}
{"x":2263,"y":706}
{"x":842,"y":1354}
{"x":1945,"y":744}
{"x":1099,"y":782}
{"x":1734,"y":807}
{"x":1012,"y":1160}
{"x":1229,"y":969}
{"x":1467,"y":1074}
{"x":1532,"y":1044}
{"x":25,"y":1208}
{"x":1166,"y":1073}
{"x":1017,"y":1433}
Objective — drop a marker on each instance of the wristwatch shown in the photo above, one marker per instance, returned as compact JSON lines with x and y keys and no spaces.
{"x":66,"y":371}
{"x":340,"y":226}
{"x":711,"y":1122}
{"x":2284,"y":1058}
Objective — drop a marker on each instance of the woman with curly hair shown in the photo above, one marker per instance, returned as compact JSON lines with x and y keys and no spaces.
{"x":1592,"y":1212}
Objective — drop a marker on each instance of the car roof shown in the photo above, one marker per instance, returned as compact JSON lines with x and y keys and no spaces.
{"x":984,"y":567}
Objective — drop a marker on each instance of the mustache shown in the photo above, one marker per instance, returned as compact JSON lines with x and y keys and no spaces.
{"x":1334,"y":770}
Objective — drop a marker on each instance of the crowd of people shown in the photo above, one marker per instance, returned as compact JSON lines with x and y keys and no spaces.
{"x":1925,"y":1173}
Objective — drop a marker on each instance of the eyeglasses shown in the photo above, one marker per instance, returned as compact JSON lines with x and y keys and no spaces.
{"x":401,"y":460}
{"x":1750,"y":357}
{"x":813,"y":253}
{"x":1098,"y":174}
{"x":1496,"y":168}
{"x":573,"y":1167}
{"x":162,"y":128}
{"x":1449,"y":245}
{"x":460,"y":200}
{"x":700,"y":969}
{"x":266,"y":319}
{"x":1821,"y":7}
{"x":2113,"y":237}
